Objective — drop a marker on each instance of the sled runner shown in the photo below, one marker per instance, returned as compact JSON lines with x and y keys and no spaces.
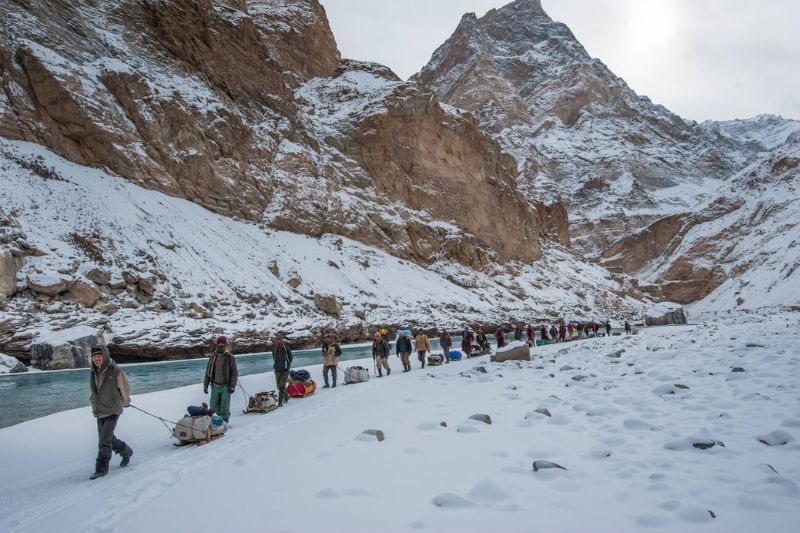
{"x":262,"y":402}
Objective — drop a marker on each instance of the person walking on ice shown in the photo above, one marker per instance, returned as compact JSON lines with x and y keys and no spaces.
{"x":331,"y":352}
{"x":380,"y":352}
{"x":445,"y":341}
{"x":403,"y":347}
{"x":110,"y":394}
{"x":422,"y":345}
{"x":281,"y":364}
{"x":222,"y":375}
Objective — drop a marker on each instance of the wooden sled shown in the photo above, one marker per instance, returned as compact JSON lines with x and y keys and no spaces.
{"x":199,"y":443}
{"x":258,"y":410}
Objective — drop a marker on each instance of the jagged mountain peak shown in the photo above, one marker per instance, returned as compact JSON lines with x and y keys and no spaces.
{"x":569,"y":120}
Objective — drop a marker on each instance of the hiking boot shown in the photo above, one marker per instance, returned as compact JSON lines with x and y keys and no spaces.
{"x":380,"y":374}
{"x":327,"y":386}
{"x":126,"y":457}
{"x":388,"y":371}
{"x":98,"y":473}
{"x":334,"y":386}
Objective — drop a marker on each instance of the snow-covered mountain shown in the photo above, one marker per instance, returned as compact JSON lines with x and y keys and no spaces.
{"x":760,"y":134}
{"x":739,"y":248}
{"x":577,"y":130}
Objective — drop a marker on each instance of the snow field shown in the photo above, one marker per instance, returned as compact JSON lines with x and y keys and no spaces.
{"x":625,"y":432}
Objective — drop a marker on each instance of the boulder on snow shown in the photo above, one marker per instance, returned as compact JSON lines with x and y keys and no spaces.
{"x":47,"y":284}
{"x":200,"y":310}
{"x":130,"y":278}
{"x":294,"y":282}
{"x":83,"y":293}
{"x":544,"y":465}
{"x":147,"y":286}
{"x":486,"y":419}
{"x":779,"y":437}
{"x":665,"y":314}
{"x":69,"y":348}
{"x":514,"y":351}
{"x":10,"y":365}
{"x":98,"y":276}
{"x":167,"y":304}
{"x":328,"y":304}
{"x":372,"y":434}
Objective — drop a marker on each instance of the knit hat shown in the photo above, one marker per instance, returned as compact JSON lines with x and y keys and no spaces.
{"x":97,"y":350}
{"x":222,"y":340}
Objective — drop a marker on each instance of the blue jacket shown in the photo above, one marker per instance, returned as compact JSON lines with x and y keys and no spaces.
{"x":403,"y":345}
{"x":281,"y":357}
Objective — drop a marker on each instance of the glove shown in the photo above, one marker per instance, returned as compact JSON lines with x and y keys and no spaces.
{"x":231,"y":389}
{"x":205,"y":390}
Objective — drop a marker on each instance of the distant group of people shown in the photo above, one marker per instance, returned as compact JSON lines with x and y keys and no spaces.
{"x":110,"y":391}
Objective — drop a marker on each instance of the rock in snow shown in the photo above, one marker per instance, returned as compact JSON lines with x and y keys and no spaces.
{"x":545,"y":465}
{"x":514,"y":351}
{"x":779,"y":437}
{"x":10,"y":365}
{"x":70,"y":348}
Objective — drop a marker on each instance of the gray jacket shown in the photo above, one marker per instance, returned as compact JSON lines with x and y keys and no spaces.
{"x":110,"y":389}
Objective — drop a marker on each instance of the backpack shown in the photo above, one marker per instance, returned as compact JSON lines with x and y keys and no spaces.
{"x":301,"y":389}
{"x":356,"y":374}
{"x":300,"y":375}
{"x":262,"y":402}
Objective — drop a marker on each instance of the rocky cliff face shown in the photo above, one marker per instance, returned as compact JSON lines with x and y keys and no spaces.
{"x":577,"y":131}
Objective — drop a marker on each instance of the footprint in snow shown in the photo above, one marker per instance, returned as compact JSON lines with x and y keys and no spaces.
{"x":429,"y":425}
{"x":488,"y":491}
{"x":637,"y":424}
{"x":448,"y":500}
{"x":327,"y":493}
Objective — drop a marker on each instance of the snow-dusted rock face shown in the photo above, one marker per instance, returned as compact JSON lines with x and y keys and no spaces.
{"x":247,"y":109}
{"x":10,"y":365}
{"x":739,"y":248}
{"x":665,"y":314}
{"x":69,"y":348}
{"x":576,"y":129}
{"x":13,"y":251}
{"x":758,"y":134}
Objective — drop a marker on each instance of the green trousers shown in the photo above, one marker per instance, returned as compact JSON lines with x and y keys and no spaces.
{"x":281,"y":380}
{"x":220,"y":402}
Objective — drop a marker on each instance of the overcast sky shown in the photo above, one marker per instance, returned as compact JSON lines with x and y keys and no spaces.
{"x":703,"y":59}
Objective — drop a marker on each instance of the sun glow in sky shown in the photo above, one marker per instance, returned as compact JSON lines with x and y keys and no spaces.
{"x":703,"y":59}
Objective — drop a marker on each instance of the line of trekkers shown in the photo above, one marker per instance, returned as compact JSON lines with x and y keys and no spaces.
{"x":110,"y":391}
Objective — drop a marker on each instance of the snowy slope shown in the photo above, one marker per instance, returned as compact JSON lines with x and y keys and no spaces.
{"x":745,"y":239}
{"x":241,"y":271}
{"x":761,"y":133}
{"x":625,"y":434}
